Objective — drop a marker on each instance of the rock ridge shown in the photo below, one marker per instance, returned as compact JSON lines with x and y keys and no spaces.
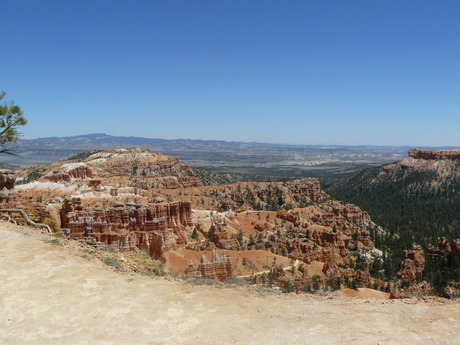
{"x":435,"y":155}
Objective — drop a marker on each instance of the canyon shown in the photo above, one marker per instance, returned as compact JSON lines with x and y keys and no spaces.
{"x":133,"y":199}
{"x":416,"y":200}
{"x":290,"y":234}
{"x":136,"y":234}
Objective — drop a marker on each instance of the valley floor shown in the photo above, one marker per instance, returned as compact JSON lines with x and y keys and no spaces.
{"x":51,"y":295}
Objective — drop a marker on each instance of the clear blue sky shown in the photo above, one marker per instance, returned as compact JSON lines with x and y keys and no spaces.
{"x":307,"y":72}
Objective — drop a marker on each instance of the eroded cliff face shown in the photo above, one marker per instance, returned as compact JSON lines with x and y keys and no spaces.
{"x":219,"y":268}
{"x":334,"y":234}
{"x":435,"y":155}
{"x":68,"y":173}
{"x":413,"y":265}
{"x":134,"y":167}
{"x":445,"y":163}
{"x":157,"y":227}
{"x":128,"y":199}
{"x":416,"y":198}
{"x":259,"y":195}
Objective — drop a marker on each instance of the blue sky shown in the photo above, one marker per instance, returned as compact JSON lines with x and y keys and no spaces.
{"x":304,"y":72}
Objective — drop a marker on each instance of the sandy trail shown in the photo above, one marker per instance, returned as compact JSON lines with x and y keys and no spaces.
{"x":50,"y":295}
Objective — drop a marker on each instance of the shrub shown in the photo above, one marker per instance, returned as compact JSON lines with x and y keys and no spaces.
{"x":201,"y":281}
{"x":235,"y":282}
{"x":111,"y":262}
{"x":54,"y":241}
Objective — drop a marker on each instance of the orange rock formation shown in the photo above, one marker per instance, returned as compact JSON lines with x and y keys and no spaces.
{"x":157,"y":227}
{"x":219,"y":268}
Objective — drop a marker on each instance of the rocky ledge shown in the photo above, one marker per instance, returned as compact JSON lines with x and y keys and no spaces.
{"x":435,"y":155}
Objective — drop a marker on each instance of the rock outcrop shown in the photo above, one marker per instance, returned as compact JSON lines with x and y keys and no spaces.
{"x":446,"y":248}
{"x":156,"y":227}
{"x":9,"y":196}
{"x":435,"y":155}
{"x":419,"y":289}
{"x":7,"y":179}
{"x":264,"y":195}
{"x":453,"y":290}
{"x":308,"y":187}
{"x":135,"y":167}
{"x":222,"y":238}
{"x":219,"y":268}
{"x":413,"y":265}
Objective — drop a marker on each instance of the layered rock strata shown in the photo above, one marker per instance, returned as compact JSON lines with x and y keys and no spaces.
{"x":219,"y":268}
{"x":156,"y":227}
{"x":143,"y":169}
{"x":435,"y":155}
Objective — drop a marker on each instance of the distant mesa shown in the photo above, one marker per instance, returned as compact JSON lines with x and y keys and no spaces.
{"x":435,"y":155}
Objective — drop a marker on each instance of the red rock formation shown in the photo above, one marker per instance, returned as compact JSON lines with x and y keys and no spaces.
{"x":413,"y":265}
{"x":219,"y":268}
{"x":9,"y":199}
{"x":81,"y":172}
{"x":353,"y":214}
{"x":296,"y":191}
{"x":157,"y":227}
{"x":259,"y":227}
{"x":453,"y":290}
{"x":435,"y":155}
{"x":446,"y":248}
{"x":95,"y":184}
{"x":307,"y":186}
{"x":162,"y":242}
{"x":223,"y":239}
{"x":345,"y":222}
{"x":56,"y":176}
{"x":150,"y":169}
{"x":138,"y":168}
{"x":288,"y":216}
{"x":7,"y":180}
{"x":260,"y":194}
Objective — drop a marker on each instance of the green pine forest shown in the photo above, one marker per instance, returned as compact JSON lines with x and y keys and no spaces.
{"x":413,"y":206}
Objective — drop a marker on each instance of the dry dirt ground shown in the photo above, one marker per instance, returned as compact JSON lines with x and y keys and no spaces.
{"x":51,"y":295}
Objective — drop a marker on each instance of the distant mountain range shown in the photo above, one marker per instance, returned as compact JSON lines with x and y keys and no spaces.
{"x":207,"y":153}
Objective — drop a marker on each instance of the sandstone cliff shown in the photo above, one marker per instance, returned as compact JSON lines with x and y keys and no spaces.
{"x":435,"y":155}
{"x":135,"y":167}
{"x":157,"y":227}
{"x":219,"y":268}
{"x":413,"y":265}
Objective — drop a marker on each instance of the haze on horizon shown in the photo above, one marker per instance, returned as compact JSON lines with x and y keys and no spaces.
{"x":302,"y":72}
